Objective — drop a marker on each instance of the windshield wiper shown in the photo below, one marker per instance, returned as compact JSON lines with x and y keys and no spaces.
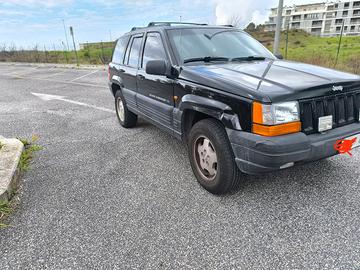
{"x":206,"y":59}
{"x":248,"y":58}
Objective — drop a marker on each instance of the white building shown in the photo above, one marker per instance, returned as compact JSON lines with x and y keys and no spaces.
{"x":324,"y":19}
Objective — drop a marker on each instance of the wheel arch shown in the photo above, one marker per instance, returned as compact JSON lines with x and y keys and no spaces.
{"x":114,"y":88}
{"x":195,"y":108}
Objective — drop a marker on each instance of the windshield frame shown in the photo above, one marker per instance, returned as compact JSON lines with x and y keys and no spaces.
{"x":221,"y":29}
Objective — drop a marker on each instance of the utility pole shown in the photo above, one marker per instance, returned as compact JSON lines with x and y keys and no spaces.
{"x":110,"y":35}
{"x":67,"y":42}
{"x":278,"y":27}
{"x":338,"y":50}
{"x":72,"y":34}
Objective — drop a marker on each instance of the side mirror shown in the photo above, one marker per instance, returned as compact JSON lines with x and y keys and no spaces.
{"x":279,"y":56}
{"x":160,"y":67}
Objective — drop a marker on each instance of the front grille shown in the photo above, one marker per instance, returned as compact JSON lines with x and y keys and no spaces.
{"x":343,"y":107}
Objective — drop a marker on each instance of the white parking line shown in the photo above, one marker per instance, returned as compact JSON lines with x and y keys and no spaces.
{"x":57,"y":81}
{"x":47,"y":97}
{"x":84,"y":76}
{"x":16,"y":73}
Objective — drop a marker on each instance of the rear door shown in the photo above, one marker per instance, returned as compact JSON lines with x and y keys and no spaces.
{"x":155,"y":93}
{"x":129,"y":69}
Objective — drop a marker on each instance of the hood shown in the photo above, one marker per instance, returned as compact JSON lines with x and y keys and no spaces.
{"x":271,"y":80}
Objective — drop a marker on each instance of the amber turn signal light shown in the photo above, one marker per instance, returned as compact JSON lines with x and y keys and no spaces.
{"x":277,"y":130}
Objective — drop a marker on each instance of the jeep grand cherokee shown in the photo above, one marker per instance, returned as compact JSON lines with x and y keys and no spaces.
{"x":237,"y":106}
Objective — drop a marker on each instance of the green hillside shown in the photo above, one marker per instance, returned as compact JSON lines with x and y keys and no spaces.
{"x":321,"y":51}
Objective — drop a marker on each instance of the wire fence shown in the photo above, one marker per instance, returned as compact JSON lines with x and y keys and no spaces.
{"x":94,"y":54}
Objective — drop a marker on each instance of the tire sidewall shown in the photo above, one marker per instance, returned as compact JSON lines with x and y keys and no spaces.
{"x":117,"y":96}
{"x":223,"y":170}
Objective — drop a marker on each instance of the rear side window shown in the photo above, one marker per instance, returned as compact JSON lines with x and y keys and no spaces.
{"x":134,"y":52}
{"x":119,"y":52}
{"x":154,"y":48}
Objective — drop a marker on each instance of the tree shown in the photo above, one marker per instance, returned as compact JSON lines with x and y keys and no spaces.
{"x":251,"y":27}
{"x":260,"y":28}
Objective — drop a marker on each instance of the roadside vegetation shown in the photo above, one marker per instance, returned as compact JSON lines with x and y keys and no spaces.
{"x":302,"y":47}
{"x":27,"y":155}
{"x":5,"y":210}
{"x":97,"y":54}
{"x":24,"y":165}
{"x":321,"y":51}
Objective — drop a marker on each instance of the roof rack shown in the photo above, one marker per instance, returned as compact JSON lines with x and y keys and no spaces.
{"x":135,"y":28}
{"x":228,"y":25}
{"x":172,"y":23}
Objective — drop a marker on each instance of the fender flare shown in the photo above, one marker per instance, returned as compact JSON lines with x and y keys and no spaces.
{"x":115,"y":81}
{"x":213,"y":108}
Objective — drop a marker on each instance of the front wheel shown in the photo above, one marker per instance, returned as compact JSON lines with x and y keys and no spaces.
{"x":211,"y":157}
{"x":126,"y":118}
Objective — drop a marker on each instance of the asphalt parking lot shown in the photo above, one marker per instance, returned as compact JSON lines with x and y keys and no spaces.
{"x":102,"y":197}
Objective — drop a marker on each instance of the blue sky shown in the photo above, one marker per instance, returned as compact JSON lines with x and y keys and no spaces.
{"x":27,"y":23}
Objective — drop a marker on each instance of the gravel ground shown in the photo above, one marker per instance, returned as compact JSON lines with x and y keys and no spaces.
{"x":102,"y":197}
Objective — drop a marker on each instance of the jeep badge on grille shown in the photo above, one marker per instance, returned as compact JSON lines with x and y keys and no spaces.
{"x":337,"y":88}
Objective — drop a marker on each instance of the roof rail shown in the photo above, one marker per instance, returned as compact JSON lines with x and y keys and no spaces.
{"x":227,"y":25}
{"x":172,"y":23}
{"x":135,"y":28}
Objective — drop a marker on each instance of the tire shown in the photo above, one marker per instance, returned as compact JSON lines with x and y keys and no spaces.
{"x":216,"y":173}
{"x":126,"y":118}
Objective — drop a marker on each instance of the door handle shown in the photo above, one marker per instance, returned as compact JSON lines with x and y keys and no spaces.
{"x":140,"y":77}
{"x":121,"y":70}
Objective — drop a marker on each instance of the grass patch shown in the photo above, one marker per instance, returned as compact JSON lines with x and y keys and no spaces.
{"x":30,"y":148}
{"x":5,"y":210}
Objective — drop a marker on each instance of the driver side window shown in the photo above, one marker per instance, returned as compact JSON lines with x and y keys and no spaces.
{"x":154,"y":49}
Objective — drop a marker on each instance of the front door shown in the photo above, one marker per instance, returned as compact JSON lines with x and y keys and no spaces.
{"x":155,"y":93}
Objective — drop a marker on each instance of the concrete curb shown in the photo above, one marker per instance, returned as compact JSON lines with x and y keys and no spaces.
{"x":9,"y":171}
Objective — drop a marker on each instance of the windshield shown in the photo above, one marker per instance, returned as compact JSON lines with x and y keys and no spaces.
{"x":215,"y":42}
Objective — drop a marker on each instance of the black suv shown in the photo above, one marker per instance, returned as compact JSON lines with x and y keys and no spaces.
{"x":237,"y":106}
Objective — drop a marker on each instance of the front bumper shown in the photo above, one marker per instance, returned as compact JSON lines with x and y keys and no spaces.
{"x":257,"y":154}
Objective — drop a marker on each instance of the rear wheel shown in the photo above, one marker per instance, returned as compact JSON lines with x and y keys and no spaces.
{"x":126,"y":118}
{"x":212,"y":158}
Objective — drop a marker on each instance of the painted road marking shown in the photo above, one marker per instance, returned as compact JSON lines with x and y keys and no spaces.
{"x":84,"y":76}
{"x":57,"y":81}
{"x":47,"y":97}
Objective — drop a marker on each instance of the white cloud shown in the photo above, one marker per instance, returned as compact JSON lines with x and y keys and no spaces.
{"x":247,"y":11}
{"x":45,"y":3}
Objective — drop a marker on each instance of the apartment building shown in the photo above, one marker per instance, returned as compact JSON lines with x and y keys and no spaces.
{"x":323,"y":19}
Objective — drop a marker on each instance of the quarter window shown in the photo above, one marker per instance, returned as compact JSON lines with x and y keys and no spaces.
{"x":134,"y":52}
{"x":119,"y":51}
{"x":154,"y":49}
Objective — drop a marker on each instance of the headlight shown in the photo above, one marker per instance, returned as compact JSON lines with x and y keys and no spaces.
{"x":280,"y":113}
{"x":276,"y":119}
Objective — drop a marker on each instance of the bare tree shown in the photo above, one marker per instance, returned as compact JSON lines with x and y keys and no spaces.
{"x":234,"y":20}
